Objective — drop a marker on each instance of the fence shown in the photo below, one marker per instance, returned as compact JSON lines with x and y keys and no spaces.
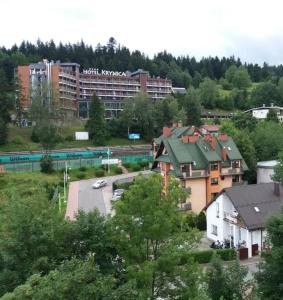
{"x":72,"y":163}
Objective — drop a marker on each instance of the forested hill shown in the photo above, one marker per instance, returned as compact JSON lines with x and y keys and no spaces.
{"x":182,"y":70}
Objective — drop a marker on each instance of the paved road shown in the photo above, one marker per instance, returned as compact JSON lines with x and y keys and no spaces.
{"x":83,"y":197}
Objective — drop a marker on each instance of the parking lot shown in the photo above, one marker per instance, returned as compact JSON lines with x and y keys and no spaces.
{"x":83,"y":197}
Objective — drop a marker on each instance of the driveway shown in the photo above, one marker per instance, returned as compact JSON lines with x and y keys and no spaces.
{"x":83,"y":197}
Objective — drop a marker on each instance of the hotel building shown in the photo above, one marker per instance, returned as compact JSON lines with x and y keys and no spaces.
{"x":73,"y":89}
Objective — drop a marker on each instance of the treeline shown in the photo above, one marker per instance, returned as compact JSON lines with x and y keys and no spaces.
{"x":182,"y":70}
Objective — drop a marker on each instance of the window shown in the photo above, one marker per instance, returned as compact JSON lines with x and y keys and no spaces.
{"x":214,"y":167}
{"x":214,"y":181}
{"x":235,"y":164}
{"x":214,"y":229}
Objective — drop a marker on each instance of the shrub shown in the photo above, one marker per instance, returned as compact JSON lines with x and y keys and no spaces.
{"x":135,"y":167}
{"x":201,"y":221}
{"x":17,"y":140}
{"x":83,"y":169}
{"x":143,"y":164}
{"x":226,"y":254}
{"x":117,"y":170}
{"x":200,"y":257}
{"x":34,"y":135}
{"x":46,"y":165}
{"x":99,"y":173}
{"x":190,"y":219}
{"x":127,"y":165}
{"x":69,"y":138}
{"x":81,"y":175}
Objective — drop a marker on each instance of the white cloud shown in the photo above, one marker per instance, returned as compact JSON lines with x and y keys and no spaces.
{"x":249,"y":29}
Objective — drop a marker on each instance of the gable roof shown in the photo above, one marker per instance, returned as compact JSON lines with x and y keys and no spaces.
{"x":200,"y":152}
{"x":246,"y":197}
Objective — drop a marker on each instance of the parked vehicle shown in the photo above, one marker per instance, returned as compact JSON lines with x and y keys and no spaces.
{"x":117,"y":194}
{"x":99,"y":183}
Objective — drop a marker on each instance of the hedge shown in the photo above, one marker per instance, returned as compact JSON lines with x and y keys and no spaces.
{"x":205,"y":256}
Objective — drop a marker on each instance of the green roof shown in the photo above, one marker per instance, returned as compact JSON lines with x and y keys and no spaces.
{"x":200,"y":153}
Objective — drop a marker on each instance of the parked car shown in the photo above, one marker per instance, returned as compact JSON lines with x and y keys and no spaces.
{"x":117,"y":194}
{"x":115,"y":197}
{"x":99,"y":183}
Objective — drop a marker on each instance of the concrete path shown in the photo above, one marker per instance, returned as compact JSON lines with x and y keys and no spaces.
{"x":73,"y":202}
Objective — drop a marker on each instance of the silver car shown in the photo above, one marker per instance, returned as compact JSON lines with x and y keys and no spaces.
{"x":99,"y":183}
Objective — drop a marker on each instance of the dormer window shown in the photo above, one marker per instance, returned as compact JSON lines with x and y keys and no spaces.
{"x":235,"y":164}
{"x":214,"y":166}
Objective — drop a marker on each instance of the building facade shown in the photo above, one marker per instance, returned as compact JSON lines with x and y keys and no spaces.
{"x":74,"y":89}
{"x":260,"y":113}
{"x":239,"y":214}
{"x":205,"y":164}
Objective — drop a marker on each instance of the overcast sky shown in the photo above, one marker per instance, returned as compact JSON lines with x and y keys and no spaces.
{"x":249,"y":29}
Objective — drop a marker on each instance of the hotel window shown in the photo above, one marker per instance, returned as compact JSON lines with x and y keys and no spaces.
{"x":214,"y":229}
{"x":214,"y":181}
{"x":213,"y":166}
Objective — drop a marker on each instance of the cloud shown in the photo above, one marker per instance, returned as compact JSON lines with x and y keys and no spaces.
{"x":252,"y":30}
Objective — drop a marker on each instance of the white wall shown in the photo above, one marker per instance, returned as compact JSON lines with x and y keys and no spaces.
{"x":226,"y":229}
{"x":264,"y":175}
{"x":260,"y":113}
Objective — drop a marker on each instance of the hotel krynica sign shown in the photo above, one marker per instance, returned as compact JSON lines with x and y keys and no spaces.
{"x":93,"y":71}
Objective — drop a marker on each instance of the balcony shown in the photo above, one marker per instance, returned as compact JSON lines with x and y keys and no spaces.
{"x":231,"y":218}
{"x":231,"y":171}
{"x":195,"y":174}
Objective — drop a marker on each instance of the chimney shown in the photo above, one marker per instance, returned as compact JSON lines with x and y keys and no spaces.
{"x":189,"y":138}
{"x":277,"y":189}
{"x":223,"y":137}
{"x":166,"y":131}
{"x":224,"y":153}
{"x":211,"y":140}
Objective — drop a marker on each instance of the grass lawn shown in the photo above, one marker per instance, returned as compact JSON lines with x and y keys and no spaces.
{"x":19,"y":140}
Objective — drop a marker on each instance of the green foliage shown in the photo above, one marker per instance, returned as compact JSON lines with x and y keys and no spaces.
{"x":226,"y":254}
{"x":268,"y":140}
{"x":278,"y":169}
{"x":152,"y":253}
{"x":227,"y":283}
{"x":244,"y":121}
{"x":272,"y":116}
{"x":96,"y":124}
{"x":192,"y":107}
{"x":209,"y":93}
{"x":81,"y":175}
{"x":3,"y":131}
{"x":201,"y":221}
{"x":82,"y":169}
{"x":74,"y":279}
{"x":117,"y":170}
{"x":46,"y":164}
{"x":269,"y":277}
{"x":99,"y":173}
{"x":265,"y":93}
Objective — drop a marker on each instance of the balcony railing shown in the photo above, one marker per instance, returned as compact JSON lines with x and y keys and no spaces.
{"x":195,"y":174}
{"x":231,"y":171}
{"x":233,"y":218}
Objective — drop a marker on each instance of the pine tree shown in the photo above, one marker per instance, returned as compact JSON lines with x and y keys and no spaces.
{"x":96,"y":124}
